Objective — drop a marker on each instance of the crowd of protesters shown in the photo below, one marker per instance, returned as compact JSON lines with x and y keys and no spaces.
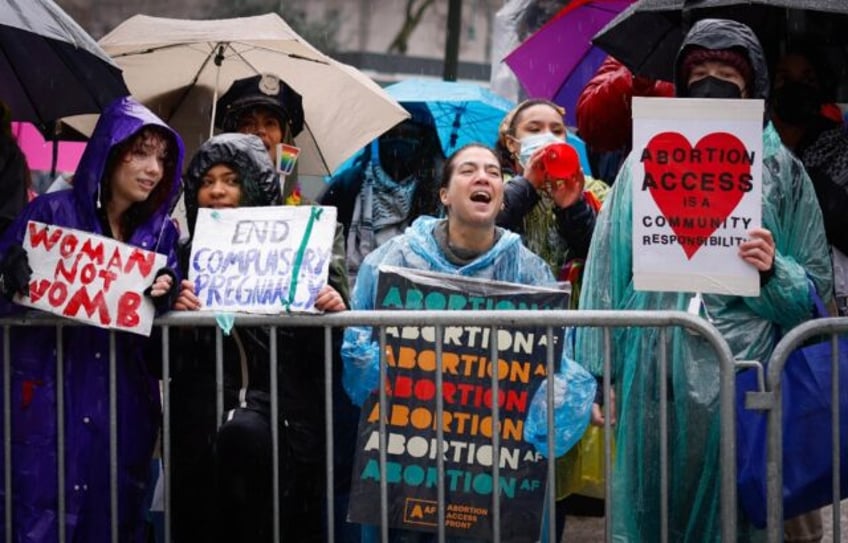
{"x":500,"y":214}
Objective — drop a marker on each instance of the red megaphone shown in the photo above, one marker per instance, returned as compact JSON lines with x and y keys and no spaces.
{"x":560,"y":161}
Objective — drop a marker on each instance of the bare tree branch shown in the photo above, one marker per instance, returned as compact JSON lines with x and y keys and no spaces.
{"x":412,"y":17}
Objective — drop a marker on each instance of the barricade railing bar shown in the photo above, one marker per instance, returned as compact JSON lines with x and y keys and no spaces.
{"x":771,"y":400}
{"x":550,"y":320}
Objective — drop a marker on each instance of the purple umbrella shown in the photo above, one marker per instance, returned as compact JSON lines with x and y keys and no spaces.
{"x":559,"y":59}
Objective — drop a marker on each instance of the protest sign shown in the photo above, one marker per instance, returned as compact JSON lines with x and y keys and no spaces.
{"x":90,"y":278}
{"x":264,"y":260}
{"x":697,"y":191}
{"x":411,"y":420}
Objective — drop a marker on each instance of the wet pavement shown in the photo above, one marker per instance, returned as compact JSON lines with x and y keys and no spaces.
{"x":591,"y":529}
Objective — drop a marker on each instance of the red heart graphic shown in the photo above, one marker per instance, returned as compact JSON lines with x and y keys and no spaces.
{"x":696,"y":189}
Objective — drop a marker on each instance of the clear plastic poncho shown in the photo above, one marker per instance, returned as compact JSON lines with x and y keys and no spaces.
{"x":750,"y":325}
{"x":507,"y":260}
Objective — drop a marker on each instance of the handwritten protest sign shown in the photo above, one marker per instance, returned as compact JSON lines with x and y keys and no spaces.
{"x":411,"y":419}
{"x":90,"y":278}
{"x":697,"y":191}
{"x":264,"y":260}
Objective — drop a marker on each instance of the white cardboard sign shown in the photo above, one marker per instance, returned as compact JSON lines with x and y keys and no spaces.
{"x":266,"y":260}
{"x":90,"y":278}
{"x":697,"y":191}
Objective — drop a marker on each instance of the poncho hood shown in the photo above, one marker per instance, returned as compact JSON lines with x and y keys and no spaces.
{"x":121,"y":120}
{"x":724,"y":34}
{"x":247,"y":155}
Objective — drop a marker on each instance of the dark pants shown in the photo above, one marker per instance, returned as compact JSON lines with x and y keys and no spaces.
{"x":243,"y":469}
{"x":243,"y":464}
{"x":192,"y":462}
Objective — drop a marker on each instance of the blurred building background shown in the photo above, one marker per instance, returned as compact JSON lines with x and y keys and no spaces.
{"x":386,"y":39}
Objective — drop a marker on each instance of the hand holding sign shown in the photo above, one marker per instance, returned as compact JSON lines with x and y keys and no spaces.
{"x":15,"y":272}
{"x":161,"y":285}
{"x":329,"y":300}
{"x":187,"y":300}
{"x":759,"y":250}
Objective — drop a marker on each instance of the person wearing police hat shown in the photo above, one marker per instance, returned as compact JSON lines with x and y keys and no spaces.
{"x":265,"y":106}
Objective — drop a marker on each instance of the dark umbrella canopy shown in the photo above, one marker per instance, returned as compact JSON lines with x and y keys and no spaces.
{"x":50,"y":67}
{"x":646,"y":36}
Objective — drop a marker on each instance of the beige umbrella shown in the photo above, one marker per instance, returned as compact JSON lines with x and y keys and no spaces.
{"x":179,"y":67}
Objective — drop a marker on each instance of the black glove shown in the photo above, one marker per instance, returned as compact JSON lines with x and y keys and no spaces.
{"x":166,"y":301}
{"x":15,"y":273}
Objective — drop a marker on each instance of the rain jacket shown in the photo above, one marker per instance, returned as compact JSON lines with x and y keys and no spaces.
{"x":86,"y":373}
{"x":604,"y":107}
{"x":824,"y":153}
{"x":344,"y":188}
{"x":247,"y":385}
{"x":507,"y":260}
{"x":750,"y":325}
{"x":572,"y":228}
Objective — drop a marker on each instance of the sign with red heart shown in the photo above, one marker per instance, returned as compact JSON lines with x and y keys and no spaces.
{"x":696,"y":188}
{"x":696,"y":193}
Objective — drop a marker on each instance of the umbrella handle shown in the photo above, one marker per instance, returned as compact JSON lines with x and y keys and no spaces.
{"x":218,"y":59}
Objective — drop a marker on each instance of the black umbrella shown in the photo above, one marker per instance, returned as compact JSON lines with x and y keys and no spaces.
{"x":646,"y":36}
{"x":50,"y":67}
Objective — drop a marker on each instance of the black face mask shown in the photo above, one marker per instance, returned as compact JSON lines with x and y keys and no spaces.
{"x":713,"y":87}
{"x":796,"y":103}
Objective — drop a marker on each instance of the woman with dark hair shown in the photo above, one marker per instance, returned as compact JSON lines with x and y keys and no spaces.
{"x":124,"y":188}
{"x":467,"y":243}
{"x":554,"y":216}
{"x":227,"y":468}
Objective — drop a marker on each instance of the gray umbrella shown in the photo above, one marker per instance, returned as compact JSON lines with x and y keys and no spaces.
{"x":50,"y":67}
{"x":646,"y":36}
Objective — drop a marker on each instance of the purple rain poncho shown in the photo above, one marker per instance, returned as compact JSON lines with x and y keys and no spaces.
{"x":86,"y":372}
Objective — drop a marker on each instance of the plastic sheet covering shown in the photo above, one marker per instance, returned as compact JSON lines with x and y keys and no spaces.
{"x":508,"y":260}
{"x":574,"y":391}
{"x":750,"y":326}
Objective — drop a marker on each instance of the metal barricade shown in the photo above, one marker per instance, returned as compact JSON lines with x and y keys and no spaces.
{"x":771,"y":400}
{"x":549,"y":320}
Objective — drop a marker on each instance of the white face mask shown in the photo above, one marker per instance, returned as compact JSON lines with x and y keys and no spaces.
{"x":532,"y":143}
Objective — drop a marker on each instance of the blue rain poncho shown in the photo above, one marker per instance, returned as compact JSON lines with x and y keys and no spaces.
{"x":507,"y":260}
{"x":750,"y":325}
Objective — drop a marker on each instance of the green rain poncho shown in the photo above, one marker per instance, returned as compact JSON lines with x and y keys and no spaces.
{"x":750,"y":325}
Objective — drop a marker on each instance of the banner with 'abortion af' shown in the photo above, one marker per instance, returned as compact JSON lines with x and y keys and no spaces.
{"x":411,"y":420}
